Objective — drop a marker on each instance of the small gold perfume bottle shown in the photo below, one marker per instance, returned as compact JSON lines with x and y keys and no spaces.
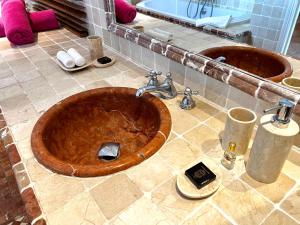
{"x":229,"y":156}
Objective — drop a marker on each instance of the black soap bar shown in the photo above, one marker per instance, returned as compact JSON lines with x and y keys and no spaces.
{"x":104,"y":60}
{"x":200,"y":175}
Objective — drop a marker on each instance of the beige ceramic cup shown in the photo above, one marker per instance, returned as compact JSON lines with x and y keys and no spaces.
{"x":292,"y":82}
{"x":238,"y":129}
{"x":95,"y":47}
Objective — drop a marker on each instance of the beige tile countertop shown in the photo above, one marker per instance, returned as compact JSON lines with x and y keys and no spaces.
{"x":30,"y":82}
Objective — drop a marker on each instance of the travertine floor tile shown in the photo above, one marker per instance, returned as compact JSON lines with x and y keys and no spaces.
{"x":124,"y":80}
{"x":34,"y":83}
{"x":171,"y":137}
{"x":142,"y":212}
{"x":45,"y":104}
{"x":23,"y":130}
{"x":5,"y":72}
{"x":207,"y":214}
{"x":91,"y":182}
{"x":97,"y":84}
{"x":149,"y":173}
{"x":64,"y":85}
{"x":115,"y":194}
{"x":36,"y":54}
{"x":217,"y":122}
{"x":20,"y":115}
{"x":14,"y":103}
{"x":205,"y":139}
{"x":41,"y":93}
{"x":55,"y":76}
{"x":282,"y":186}
{"x":86,"y":77}
{"x":171,"y":203}
{"x":81,"y":209}
{"x":279,"y":218}
{"x":179,"y":153}
{"x":70,"y":92}
{"x":292,"y":204}
{"x":7,"y":81}
{"x":242,"y":204}
{"x":58,"y":191}
{"x":20,"y":65}
{"x":203,"y":111}
{"x":28,"y":75}
{"x":24,"y":148}
{"x":181,"y":120}
{"x":292,"y":165}
{"x":36,"y":171}
{"x":47,"y":65}
{"x":10,"y":91}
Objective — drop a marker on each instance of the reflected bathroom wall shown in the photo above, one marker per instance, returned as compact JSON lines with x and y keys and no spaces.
{"x":255,"y":22}
{"x":267,"y":22}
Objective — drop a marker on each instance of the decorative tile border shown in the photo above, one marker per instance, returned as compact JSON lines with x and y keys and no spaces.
{"x":32,"y":207}
{"x":249,"y":83}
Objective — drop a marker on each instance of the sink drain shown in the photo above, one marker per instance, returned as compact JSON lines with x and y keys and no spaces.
{"x":109,"y":151}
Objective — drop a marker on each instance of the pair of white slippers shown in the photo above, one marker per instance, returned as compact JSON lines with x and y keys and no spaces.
{"x":71,"y":58}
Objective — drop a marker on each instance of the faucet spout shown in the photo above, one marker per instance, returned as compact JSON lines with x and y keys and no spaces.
{"x":145,"y":89}
{"x":166,"y":87}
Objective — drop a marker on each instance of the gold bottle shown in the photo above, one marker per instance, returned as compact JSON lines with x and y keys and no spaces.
{"x":229,"y":156}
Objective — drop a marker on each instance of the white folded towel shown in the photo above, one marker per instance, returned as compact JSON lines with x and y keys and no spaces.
{"x":78,"y":59}
{"x":217,"y":21}
{"x":168,"y":34}
{"x":160,"y":34}
{"x":65,"y":59}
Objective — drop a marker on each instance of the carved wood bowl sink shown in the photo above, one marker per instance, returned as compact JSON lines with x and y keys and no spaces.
{"x":263,"y":63}
{"x":66,"y":139}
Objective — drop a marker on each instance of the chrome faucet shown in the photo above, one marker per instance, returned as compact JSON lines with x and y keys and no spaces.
{"x":221,"y":59}
{"x":166,"y":87}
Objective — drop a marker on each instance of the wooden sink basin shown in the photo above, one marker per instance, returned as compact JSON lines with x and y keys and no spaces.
{"x":257,"y":61}
{"x":66,"y":139}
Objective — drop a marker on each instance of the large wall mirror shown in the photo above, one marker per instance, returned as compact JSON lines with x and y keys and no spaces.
{"x":225,"y":29}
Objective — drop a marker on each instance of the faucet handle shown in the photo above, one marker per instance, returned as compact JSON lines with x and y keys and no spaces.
{"x":169,"y":75}
{"x":188,"y":91}
{"x":188,"y":102}
{"x":153,"y":74}
{"x":153,"y":81}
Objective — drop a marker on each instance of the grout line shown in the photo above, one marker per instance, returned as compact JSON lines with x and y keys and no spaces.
{"x":220,"y":210}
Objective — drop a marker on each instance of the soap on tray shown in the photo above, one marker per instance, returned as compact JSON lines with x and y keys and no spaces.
{"x":200,"y":175}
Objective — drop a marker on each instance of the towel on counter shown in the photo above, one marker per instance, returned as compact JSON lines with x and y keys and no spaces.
{"x":125,"y":12}
{"x":217,"y":21}
{"x":160,"y":34}
{"x":16,"y":23}
{"x":40,"y":21}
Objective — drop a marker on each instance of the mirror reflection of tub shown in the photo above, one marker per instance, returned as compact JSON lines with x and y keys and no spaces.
{"x":192,"y":11}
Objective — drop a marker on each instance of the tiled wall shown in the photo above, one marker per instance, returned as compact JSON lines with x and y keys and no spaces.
{"x":267,"y":21}
{"x":95,"y":16}
{"x":245,"y":5}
